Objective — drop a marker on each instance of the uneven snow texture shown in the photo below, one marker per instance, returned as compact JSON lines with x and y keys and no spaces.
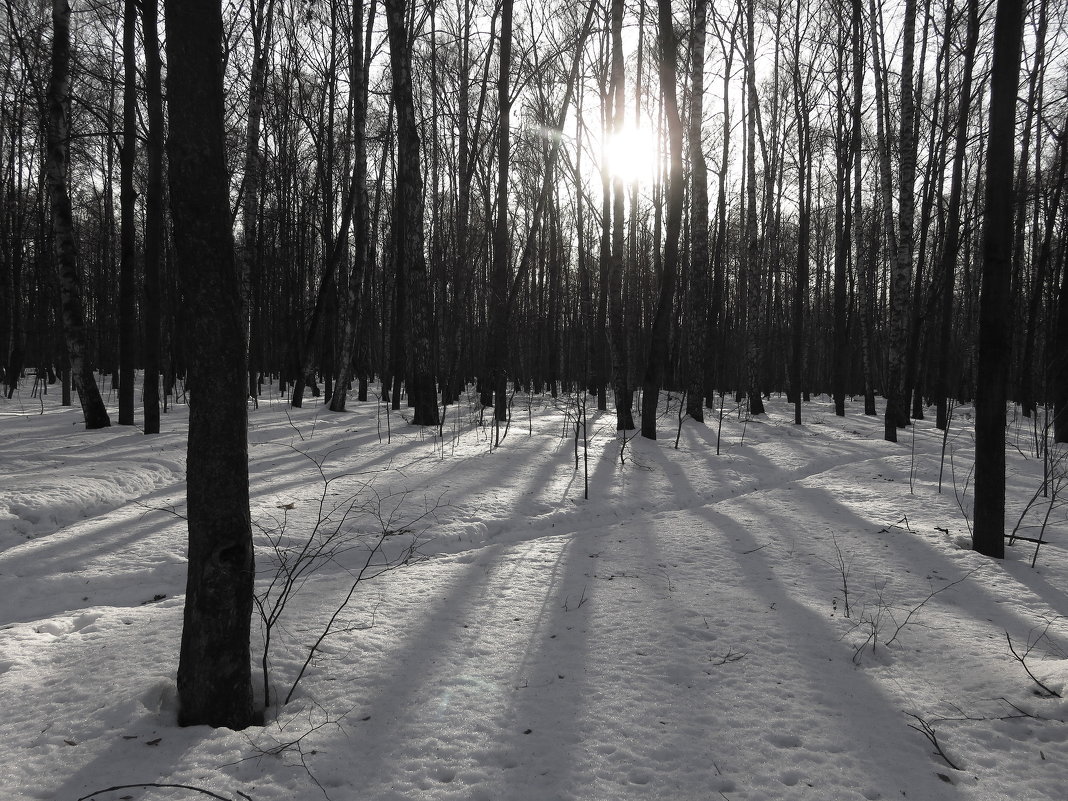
{"x":682,"y":634}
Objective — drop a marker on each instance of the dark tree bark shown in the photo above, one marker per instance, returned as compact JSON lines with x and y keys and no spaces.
{"x":951,"y":243}
{"x":842,"y":223}
{"x":354,"y":294}
{"x":214,"y":676}
{"x":697,"y":297}
{"x":658,"y":338}
{"x":57,"y":169}
{"x":995,"y":323}
{"x":613,"y":210}
{"x":804,"y":213}
{"x":861,"y":261}
{"x":901,"y":284}
{"x":752,"y":272}
{"x":409,"y":222}
{"x":1042,"y":266}
{"x":262,"y":24}
{"x":154,"y":231}
{"x":500,"y":271}
{"x":1058,"y":363}
{"x":716,"y":335}
{"x":127,"y":197}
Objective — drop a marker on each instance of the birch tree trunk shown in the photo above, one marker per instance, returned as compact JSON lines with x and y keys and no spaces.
{"x":127,"y":197}
{"x":154,"y":231}
{"x":57,"y":168}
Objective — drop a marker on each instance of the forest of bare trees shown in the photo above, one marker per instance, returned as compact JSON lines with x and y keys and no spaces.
{"x":744,"y":197}
{"x":408,"y":200}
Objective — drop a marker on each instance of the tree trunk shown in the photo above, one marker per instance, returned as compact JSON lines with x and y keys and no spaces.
{"x":896,"y":380}
{"x":804,"y":196}
{"x":995,"y":325}
{"x":214,"y":676}
{"x":354,"y":295}
{"x":860,"y":258}
{"x":1042,"y":263}
{"x":752,"y":272}
{"x":57,"y":169}
{"x":658,"y":342}
{"x":410,"y":220}
{"x":127,"y":197}
{"x":1058,"y":362}
{"x":697,"y":297}
{"x":617,"y":341}
{"x":497,"y":346}
{"x":154,"y":231}
{"x":951,"y":243}
{"x":262,"y":24}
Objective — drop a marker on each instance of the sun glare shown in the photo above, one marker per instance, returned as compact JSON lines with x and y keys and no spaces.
{"x":632,"y":155}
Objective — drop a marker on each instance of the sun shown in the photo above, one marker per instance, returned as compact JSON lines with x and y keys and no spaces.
{"x":632,"y":155}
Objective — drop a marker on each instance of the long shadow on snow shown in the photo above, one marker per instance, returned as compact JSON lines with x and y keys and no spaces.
{"x":780,"y":673}
{"x":460,"y":704}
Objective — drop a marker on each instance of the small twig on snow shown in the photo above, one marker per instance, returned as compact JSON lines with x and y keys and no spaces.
{"x":928,"y":731}
{"x":208,"y":793}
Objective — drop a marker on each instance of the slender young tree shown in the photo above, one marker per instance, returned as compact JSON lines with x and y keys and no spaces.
{"x":261,"y":22}
{"x":127,"y":198}
{"x":804,"y":213}
{"x":995,"y":316}
{"x":214,"y":669}
{"x":612,"y":238}
{"x":659,"y":334}
{"x":896,"y":398}
{"x":153,"y":226}
{"x":354,"y":296}
{"x":861,"y":262}
{"x":951,"y":241}
{"x":57,"y":172}
{"x":497,"y":347}
{"x":154,"y":231}
{"x":698,"y":296}
{"x":752,"y":271}
{"x":1058,"y":364}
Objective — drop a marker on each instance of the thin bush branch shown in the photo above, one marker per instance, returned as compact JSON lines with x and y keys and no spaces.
{"x":201,"y":790}
{"x":925,"y":728}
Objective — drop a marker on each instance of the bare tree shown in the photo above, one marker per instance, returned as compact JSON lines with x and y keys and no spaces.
{"x":995,"y":327}
{"x":409,"y":220}
{"x":127,"y":198}
{"x":896,"y":399}
{"x":658,"y":336}
{"x":214,"y":669}
{"x":57,"y":168}
{"x":154,"y":230}
{"x":698,"y":296}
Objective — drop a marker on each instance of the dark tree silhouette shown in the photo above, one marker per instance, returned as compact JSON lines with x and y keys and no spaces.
{"x":214,"y":670}
{"x":995,"y":318}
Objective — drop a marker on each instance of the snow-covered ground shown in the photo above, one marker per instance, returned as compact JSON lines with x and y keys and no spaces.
{"x":685,"y":633}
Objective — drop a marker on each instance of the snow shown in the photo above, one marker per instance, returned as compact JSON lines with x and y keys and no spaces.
{"x":681,"y":634}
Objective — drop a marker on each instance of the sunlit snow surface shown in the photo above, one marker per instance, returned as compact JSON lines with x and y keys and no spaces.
{"x":680,"y":635}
